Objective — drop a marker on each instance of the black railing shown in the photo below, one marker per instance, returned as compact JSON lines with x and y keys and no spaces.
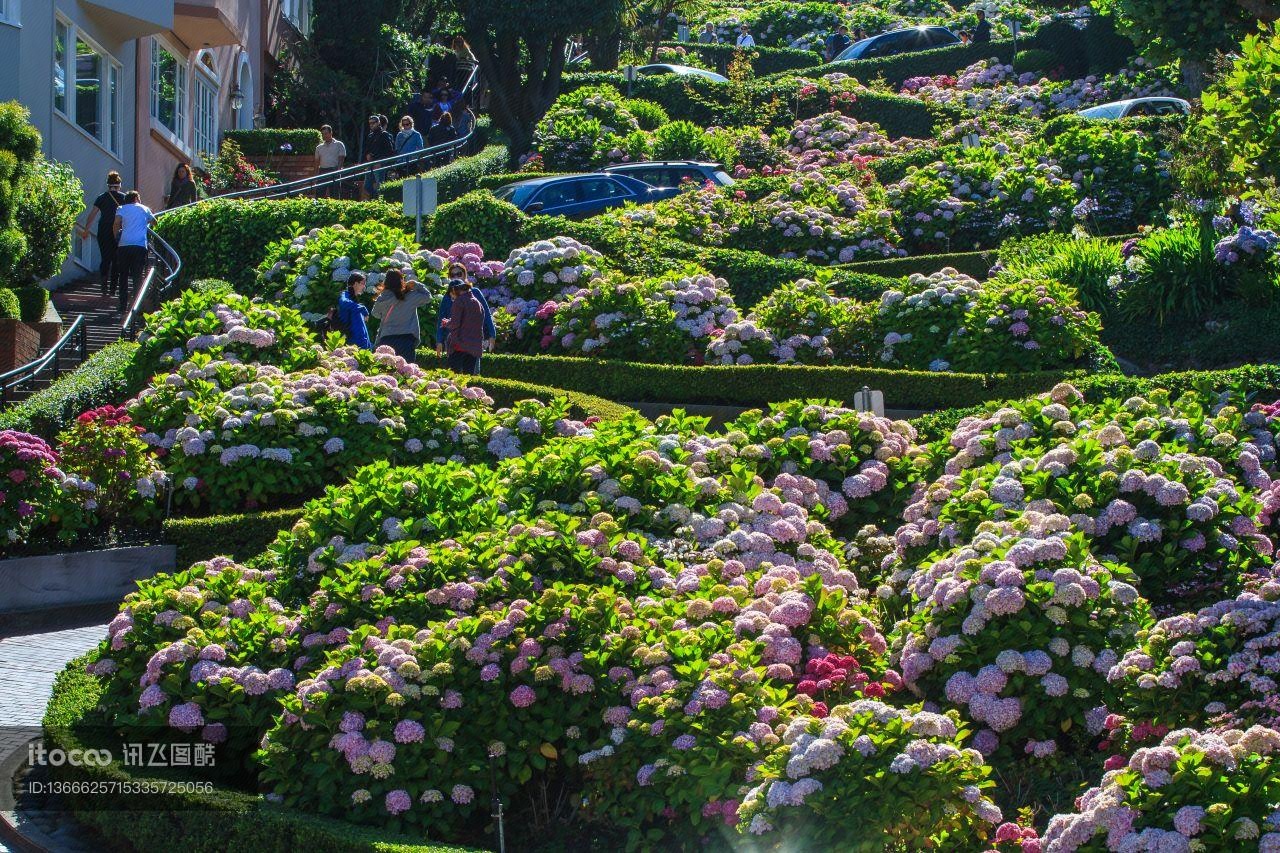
{"x":164,"y":266}
{"x":21,"y":381}
{"x":413,"y":161}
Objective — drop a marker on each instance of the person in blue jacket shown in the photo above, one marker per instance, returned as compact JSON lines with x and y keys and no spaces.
{"x":459,"y":272}
{"x":352,"y":316}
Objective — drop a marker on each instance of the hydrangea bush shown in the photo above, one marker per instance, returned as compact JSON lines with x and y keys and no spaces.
{"x":35,"y":493}
{"x":243,"y":435}
{"x":223,"y":324}
{"x":307,"y":272}
{"x":1195,"y":790}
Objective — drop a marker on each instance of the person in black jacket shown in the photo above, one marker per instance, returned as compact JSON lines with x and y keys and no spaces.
{"x":378,"y":145}
{"x":104,"y":210}
{"x":982,"y":32}
{"x":440,"y":133}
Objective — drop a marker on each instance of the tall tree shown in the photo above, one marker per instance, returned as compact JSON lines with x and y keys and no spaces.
{"x":349,"y":67}
{"x":1193,"y":31}
{"x":520,"y":45}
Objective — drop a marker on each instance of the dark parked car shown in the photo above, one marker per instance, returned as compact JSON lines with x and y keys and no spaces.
{"x":580,"y":195}
{"x":892,"y":43}
{"x":673,"y":173}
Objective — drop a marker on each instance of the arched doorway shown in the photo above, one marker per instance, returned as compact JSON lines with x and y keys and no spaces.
{"x":244,"y":116}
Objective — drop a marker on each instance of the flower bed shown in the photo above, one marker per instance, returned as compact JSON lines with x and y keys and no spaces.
{"x":710,"y":609}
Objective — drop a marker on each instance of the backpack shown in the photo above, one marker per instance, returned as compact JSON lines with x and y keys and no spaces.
{"x":333,"y":322}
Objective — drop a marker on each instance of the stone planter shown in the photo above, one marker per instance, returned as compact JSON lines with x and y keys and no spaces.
{"x":19,"y":344}
{"x":88,"y":577}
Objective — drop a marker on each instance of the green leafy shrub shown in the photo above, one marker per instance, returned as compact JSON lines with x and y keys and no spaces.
{"x":33,"y":300}
{"x":102,"y":379}
{"x":274,"y":140}
{"x":759,"y":384}
{"x":228,"y":239}
{"x":1239,"y":109}
{"x":1084,"y":264}
{"x":1217,"y":784}
{"x":19,"y":149}
{"x":648,"y":115}
{"x":1172,"y":272}
{"x":306,"y":272}
{"x":10,"y":308}
{"x":927,"y":63}
{"x":49,"y":200}
{"x":1037,"y":60}
{"x":872,"y":742}
{"x":459,"y":177}
{"x":103,"y":447}
{"x":477,"y":217}
{"x":678,"y":140}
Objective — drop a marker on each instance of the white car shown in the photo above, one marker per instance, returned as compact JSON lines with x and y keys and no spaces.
{"x":681,"y":70}
{"x":1137,"y":107}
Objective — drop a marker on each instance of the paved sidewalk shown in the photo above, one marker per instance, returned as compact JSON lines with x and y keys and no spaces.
{"x":28,"y":665}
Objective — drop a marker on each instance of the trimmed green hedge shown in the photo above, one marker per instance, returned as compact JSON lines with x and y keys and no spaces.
{"x":764,"y":60}
{"x":237,"y":536}
{"x":706,"y":103}
{"x":100,"y":380}
{"x":303,"y":140}
{"x":213,"y":822}
{"x":226,"y":238}
{"x":924,"y":63}
{"x":506,"y":392}
{"x":32,"y":301}
{"x":976,"y":264}
{"x":457,"y":178}
{"x":501,"y":179}
{"x":758,"y":384}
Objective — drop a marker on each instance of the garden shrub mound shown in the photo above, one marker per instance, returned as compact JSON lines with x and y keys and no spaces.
{"x":683,"y":628}
{"x":555,"y":297}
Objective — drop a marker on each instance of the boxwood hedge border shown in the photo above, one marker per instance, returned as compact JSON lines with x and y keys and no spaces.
{"x":760,"y":384}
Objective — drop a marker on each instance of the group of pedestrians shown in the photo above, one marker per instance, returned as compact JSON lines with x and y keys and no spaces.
{"x":432,"y":118}
{"x":463,"y":328}
{"x":122,"y":222}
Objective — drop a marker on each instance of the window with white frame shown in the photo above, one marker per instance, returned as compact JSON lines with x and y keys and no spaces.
{"x":86,"y":84}
{"x":299,"y":14}
{"x":204,"y":108}
{"x":11,"y":12}
{"x":168,"y":89}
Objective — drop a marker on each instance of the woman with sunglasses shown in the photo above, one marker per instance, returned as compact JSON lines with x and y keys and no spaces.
{"x":104,"y":211}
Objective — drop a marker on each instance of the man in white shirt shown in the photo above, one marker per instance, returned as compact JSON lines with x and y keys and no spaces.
{"x":330,"y":154}
{"x":744,"y":37}
{"x":133,"y":218}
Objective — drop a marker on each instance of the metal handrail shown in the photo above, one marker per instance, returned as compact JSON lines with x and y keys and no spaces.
{"x":172,"y":262}
{"x":29,"y":372}
{"x":339,"y":176}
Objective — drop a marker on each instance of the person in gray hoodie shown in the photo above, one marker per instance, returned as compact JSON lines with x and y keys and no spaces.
{"x":396,"y":310}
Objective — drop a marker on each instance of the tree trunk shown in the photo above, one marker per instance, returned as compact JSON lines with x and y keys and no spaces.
{"x":1195,"y":74}
{"x":604,"y":50}
{"x":519,"y":96}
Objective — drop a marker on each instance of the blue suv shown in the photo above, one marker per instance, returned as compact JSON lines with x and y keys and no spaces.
{"x":580,"y":195}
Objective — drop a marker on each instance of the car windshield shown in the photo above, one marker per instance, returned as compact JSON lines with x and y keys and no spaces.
{"x":517,"y":194}
{"x":722,"y":177}
{"x":1104,"y":111}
